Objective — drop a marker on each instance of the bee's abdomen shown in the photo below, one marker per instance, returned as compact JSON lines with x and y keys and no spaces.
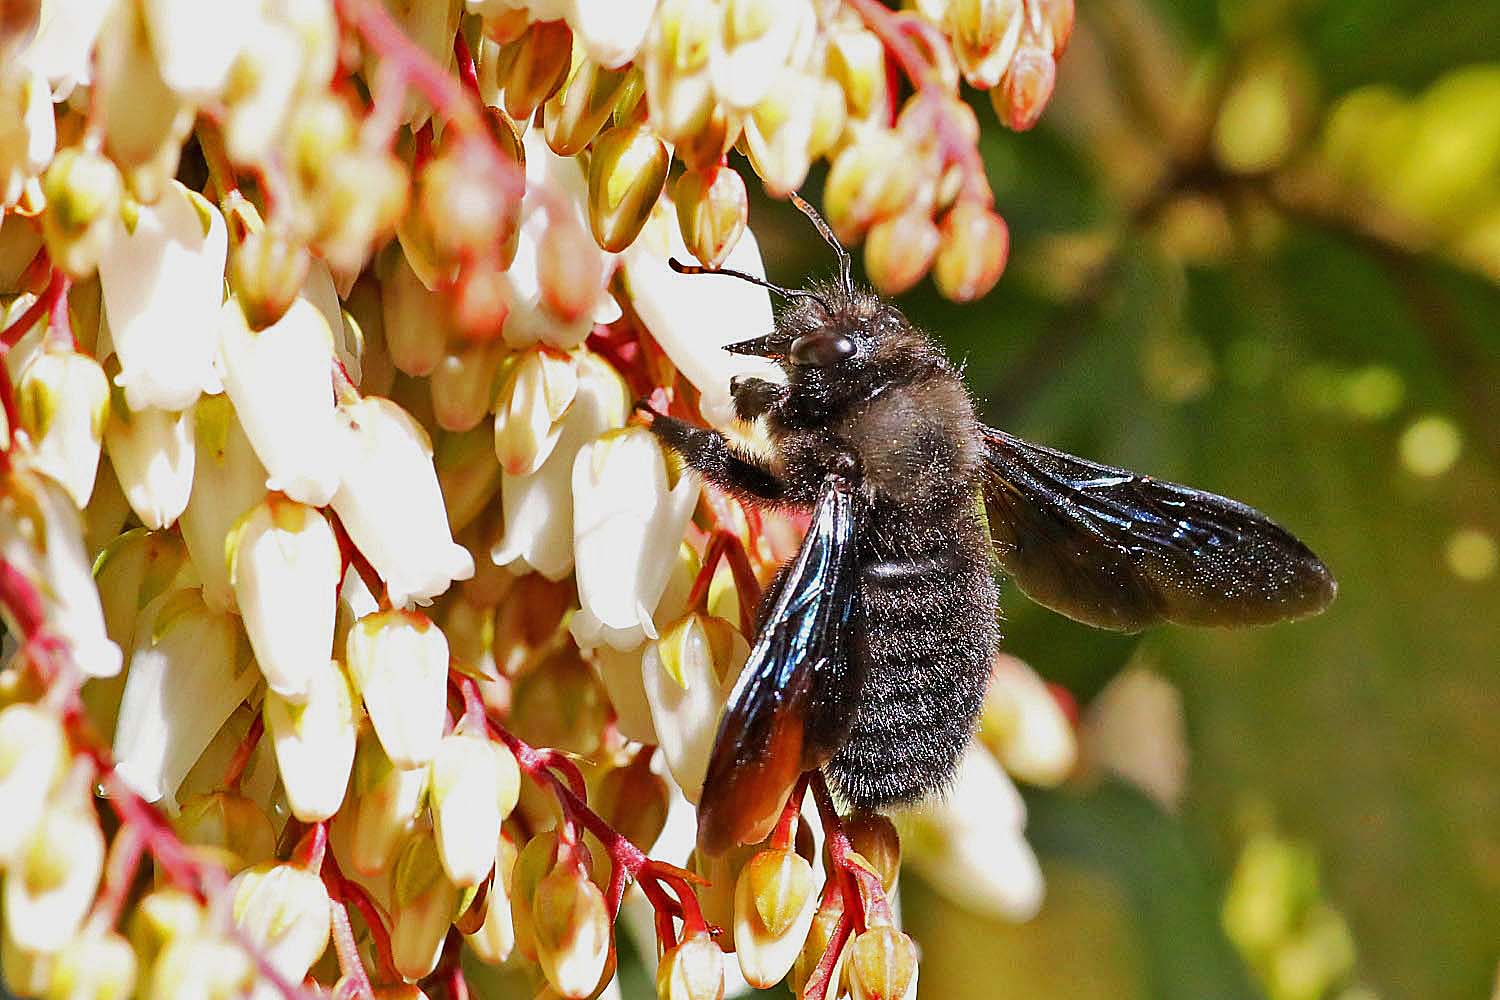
{"x":928,"y":637}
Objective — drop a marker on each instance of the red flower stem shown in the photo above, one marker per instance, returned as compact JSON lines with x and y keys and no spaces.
{"x":717,"y":543}
{"x":119,"y":876}
{"x":864,"y":896}
{"x":786,"y":827}
{"x":467,"y":74}
{"x":57,"y":287}
{"x":353,"y":893}
{"x":235,"y":772}
{"x":345,"y":948}
{"x":311,"y":849}
{"x":819,"y":985}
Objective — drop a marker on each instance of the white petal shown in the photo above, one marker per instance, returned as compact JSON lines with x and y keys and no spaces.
{"x":281,"y":382}
{"x":539,"y":507}
{"x":153,"y":457}
{"x":692,"y":317}
{"x":391,"y":503}
{"x":620,"y":673}
{"x":163,"y":282}
{"x":285,"y":910}
{"x":270,"y":56}
{"x":744,"y":73}
{"x":315,"y":742}
{"x":286,"y":580}
{"x":1026,"y":727}
{"x":399,"y":660}
{"x":227,"y":481}
{"x":465,"y":802}
{"x":74,"y":391}
{"x":196,"y":43}
{"x":46,"y":920}
{"x":32,"y":754}
{"x":64,"y":40}
{"x":610,"y":31}
{"x":1135,"y":728}
{"x":685,"y":715}
{"x":187,"y":674}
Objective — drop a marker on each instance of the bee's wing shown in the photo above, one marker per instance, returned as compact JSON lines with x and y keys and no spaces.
{"x":791,"y":704}
{"x":1119,"y":550}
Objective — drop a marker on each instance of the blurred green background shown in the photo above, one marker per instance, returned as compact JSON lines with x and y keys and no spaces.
{"x":1256,"y":248}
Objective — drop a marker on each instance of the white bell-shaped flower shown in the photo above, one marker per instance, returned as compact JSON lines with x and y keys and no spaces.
{"x":41,"y":537}
{"x":162,"y":277}
{"x":978,"y":855}
{"x":391,"y":503}
{"x":387,"y":803}
{"x":33,"y":753}
{"x":1024,"y":725}
{"x":539,"y":507}
{"x":314,"y":742}
{"x":687,"y":673}
{"x":62,"y":48}
{"x":280,"y":380}
{"x":153,"y":457}
{"x":536,"y":392}
{"x":399,"y":661}
{"x":755,"y":45}
{"x":628,"y":522}
{"x":610,"y":31}
{"x":552,"y":181}
{"x":692,"y":317}
{"x":284,"y":910}
{"x":228,"y":480}
{"x":63,"y":397}
{"x":474,"y":784}
{"x":189,"y":670}
{"x":49,"y":891}
{"x":196,"y":43}
{"x":285,"y":568}
{"x":28,"y":132}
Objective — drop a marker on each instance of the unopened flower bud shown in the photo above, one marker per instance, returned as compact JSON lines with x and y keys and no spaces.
{"x":424,"y":904}
{"x":712,"y":208}
{"x":387,"y":801}
{"x":569,"y":270}
{"x":162,"y":917}
{"x":755,"y":42}
{"x":49,"y":888}
{"x":496,"y":936}
{"x":279,"y":380}
{"x":573,"y":933}
{"x":856,"y":60}
{"x":675,"y":63}
{"x":202,"y":965}
{"x":985,"y":34}
{"x":872,"y":179}
{"x":416,"y":331}
{"x":464,"y":206}
{"x":693,"y":970}
{"x":1026,"y":88}
{"x":634,"y":800}
{"x":975,"y":244}
{"x":162,"y":278}
{"x":399,"y":660}
{"x":559,"y":703}
{"x":576,"y":113}
{"x":1025,"y":727}
{"x":775,"y":898}
{"x":900,"y":250}
{"x":875,"y":839}
{"x":361,"y":198}
{"x":83,"y":201}
{"x":469,"y":477}
{"x":267,"y":269}
{"x":882,"y":965}
{"x":534,"y":861}
{"x":32,"y":755}
{"x":627,"y":171}
{"x":463,"y":385}
{"x":94,"y":966}
{"x":284,"y":910}
{"x":285,"y":568}
{"x":391,"y":504}
{"x":481,"y":300}
{"x":231,"y":825}
{"x":142,"y":115}
{"x":819,"y":939}
{"x":152,"y":454}
{"x":474,"y":784}
{"x":534,"y":66}
{"x":228,"y":480}
{"x":1057,"y":18}
{"x":685,"y":673}
{"x":314,"y":742}
{"x":779,"y":132}
{"x":529,"y":408}
{"x":63,"y":398}
{"x":706,"y":147}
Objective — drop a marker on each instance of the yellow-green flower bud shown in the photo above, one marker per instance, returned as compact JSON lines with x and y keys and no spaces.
{"x":535,"y":860}
{"x":712,"y":209}
{"x":231,"y":823}
{"x":414,"y":320}
{"x":705,"y":147}
{"x":975,"y":244}
{"x":875,"y":839}
{"x":387,"y":801}
{"x":82,"y":188}
{"x":98,"y":966}
{"x":424,"y":904}
{"x":872,"y":179}
{"x":463,"y":385}
{"x":267,"y":269}
{"x":634,"y":800}
{"x":201,"y":966}
{"x":626,"y":174}
{"x":50,"y":887}
{"x":576,"y":113}
{"x":162,"y":918}
{"x":474,"y":783}
{"x":775,"y":898}
{"x":819,"y":937}
{"x":496,"y":936}
{"x":882,"y":965}
{"x":856,"y":60}
{"x":573,"y":934}
{"x":693,"y":970}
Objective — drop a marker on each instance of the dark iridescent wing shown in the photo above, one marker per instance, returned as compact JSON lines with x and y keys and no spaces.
{"x":1119,"y":550}
{"x":790,"y":707}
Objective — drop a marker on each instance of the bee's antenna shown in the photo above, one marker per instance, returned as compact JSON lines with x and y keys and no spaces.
{"x":790,"y":293}
{"x":846,"y":277}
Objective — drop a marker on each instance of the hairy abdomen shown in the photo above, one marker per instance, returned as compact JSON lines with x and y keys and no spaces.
{"x":926,"y":639}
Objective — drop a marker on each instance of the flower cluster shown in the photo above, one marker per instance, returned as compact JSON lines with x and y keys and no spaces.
{"x":340,"y":588}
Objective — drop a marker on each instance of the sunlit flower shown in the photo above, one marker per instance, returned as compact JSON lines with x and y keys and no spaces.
{"x":64,"y":402}
{"x":1025,"y":727}
{"x":423,"y":903}
{"x":314,"y":741}
{"x":162,"y":275}
{"x":687,"y":672}
{"x":227,"y":481}
{"x":387,"y":801}
{"x":399,"y":661}
{"x":28,"y":134}
{"x":152,"y":453}
{"x":284,"y":909}
{"x":32,"y":758}
{"x":474,"y":785}
{"x":54,"y":879}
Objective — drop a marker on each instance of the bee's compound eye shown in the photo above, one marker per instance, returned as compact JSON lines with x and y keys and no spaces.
{"x":821,"y":350}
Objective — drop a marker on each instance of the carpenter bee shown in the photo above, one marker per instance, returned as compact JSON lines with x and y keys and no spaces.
{"x":875,"y":642}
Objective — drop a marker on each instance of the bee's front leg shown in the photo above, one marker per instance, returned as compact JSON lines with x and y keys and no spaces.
{"x":715,"y":458}
{"x":754,"y":397}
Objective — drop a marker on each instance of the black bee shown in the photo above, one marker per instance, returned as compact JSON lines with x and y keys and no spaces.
{"x":875,"y":643}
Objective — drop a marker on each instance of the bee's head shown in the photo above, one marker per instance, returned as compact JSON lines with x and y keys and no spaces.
{"x":838,"y":343}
